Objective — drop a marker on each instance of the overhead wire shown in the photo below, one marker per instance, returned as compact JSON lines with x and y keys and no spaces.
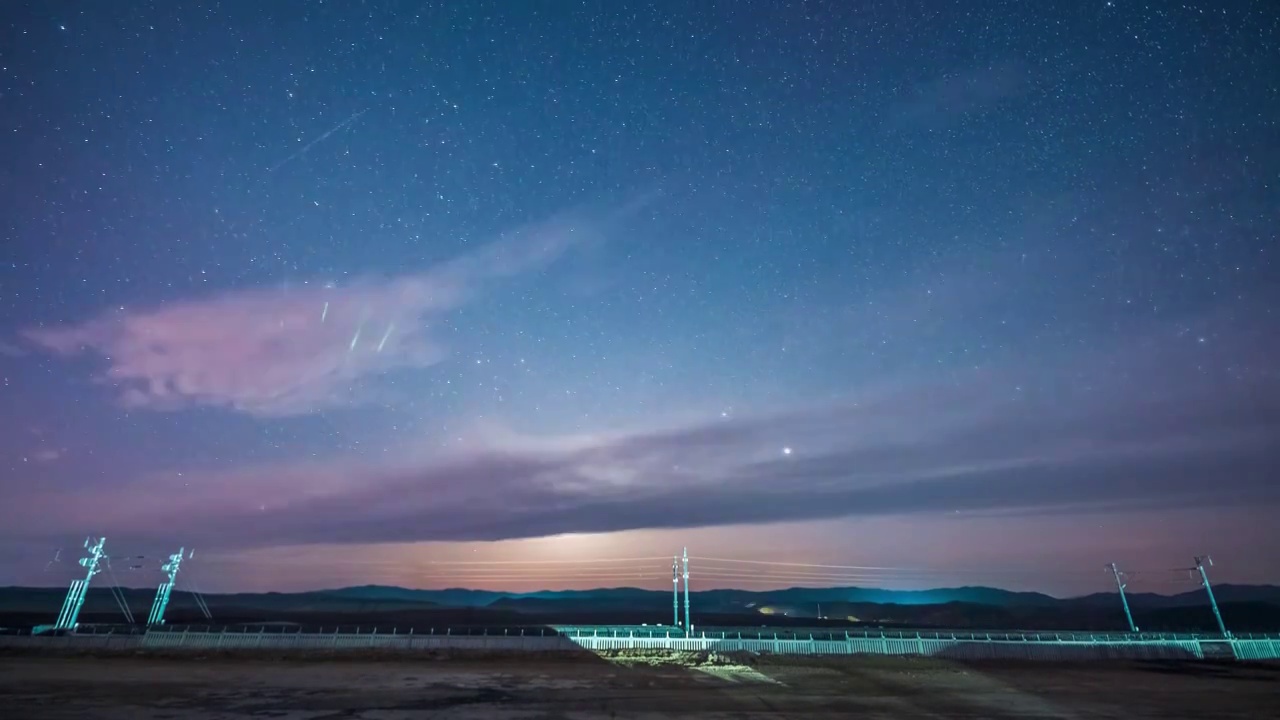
{"x":550,"y":572}
{"x":458,"y":563}
{"x":548,"y":562}
{"x":831,"y":573}
{"x":197,"y":596}
{"x":911,"y":570}
{"x":698,"y":560}
{"x":117,"y":593}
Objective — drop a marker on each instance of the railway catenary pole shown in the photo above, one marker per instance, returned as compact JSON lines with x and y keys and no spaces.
{"x":688,"y":621}
{"x":165,"y":590}
{"x":1120,"y":585}
{"x":1201,"y":561}
{"x":80,"y":588}
{"x":675,"y":591}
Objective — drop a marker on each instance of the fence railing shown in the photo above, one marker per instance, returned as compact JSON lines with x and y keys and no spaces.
{"x":671,"y":632}
{"x":973,"y":647}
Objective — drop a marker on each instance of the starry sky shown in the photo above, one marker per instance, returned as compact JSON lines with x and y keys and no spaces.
{"x":535,"y":294}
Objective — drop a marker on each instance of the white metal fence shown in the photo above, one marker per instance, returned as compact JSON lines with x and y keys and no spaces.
{"x":969,"y":647}
{"x":1256,"y":649}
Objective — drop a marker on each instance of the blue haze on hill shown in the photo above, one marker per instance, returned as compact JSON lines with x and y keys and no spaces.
{"x":460,"y":597}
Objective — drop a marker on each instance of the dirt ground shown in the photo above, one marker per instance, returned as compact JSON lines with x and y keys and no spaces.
{"x":641,"y":687}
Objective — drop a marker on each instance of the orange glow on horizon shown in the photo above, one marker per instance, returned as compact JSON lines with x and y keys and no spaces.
{"x":910,"y":554}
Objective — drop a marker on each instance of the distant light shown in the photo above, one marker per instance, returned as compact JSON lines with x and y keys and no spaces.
{"x":786,"y":451}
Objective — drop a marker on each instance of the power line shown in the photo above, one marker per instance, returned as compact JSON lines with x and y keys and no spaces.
{"x":538,"y":578}
{"x":844,"y":573}
{"x":118,"y":594}
{"x":198,"y":597}
{"x":776,"y":577}
{"x":835,"y":576}
{"x":707,"y":563}
{"x":460,"y":567}
{"x":791,"y":564}
{"x":645,"y":569}
{"x":519,"y":574}
{"x":422,"y":563}
{"x":544,"y":562}
{"x":905,"y":569}
{"x":545,"y":583}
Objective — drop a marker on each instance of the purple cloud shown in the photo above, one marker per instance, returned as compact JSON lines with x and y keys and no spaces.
{"x":974,"y":444}
{"x":290,"y":352}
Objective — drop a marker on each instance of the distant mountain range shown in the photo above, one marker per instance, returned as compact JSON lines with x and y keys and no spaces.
{"x":1253,"y":608}
{"x":458,"y":597}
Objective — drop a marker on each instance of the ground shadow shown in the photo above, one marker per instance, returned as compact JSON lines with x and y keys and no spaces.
{"x":1214,"y":669}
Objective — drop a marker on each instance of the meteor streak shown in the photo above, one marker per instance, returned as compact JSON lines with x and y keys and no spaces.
{"x":325,"y":312}
{"x":355,"y":338}
{"x":320,"y":139}
{"x":386,"y":335}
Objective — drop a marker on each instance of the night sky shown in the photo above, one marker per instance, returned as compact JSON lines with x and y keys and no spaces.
{"x":462,"y":293}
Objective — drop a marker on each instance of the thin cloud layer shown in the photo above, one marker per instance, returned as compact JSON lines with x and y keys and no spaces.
{"x":970,"y":445}
{"x":291,"y":352}
{"x":960,"y":92}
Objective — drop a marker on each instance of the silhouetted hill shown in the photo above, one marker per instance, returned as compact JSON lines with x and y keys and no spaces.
{"x":1224,"y":594}
{"x":1246,"y":608}
{"x":717,"y":598}
{"x":453,"y":597}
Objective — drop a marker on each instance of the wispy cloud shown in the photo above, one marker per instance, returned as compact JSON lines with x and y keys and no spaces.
{"x":279,"y":352}
{"x":46,"y":455}
{"x":958,"y":93}
{"x":973,"y":445}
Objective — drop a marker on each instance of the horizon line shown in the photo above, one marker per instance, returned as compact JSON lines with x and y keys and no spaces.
{"x":62,"y":588}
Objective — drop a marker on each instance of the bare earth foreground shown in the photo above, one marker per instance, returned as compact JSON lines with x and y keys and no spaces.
{"x":590,"y":687}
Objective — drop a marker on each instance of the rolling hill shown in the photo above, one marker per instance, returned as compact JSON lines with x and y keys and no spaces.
{"x":1246,"y":608}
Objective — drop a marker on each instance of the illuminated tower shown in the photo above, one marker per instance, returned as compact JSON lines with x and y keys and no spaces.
{"x":79,"y":588}
{"x":688,"y":622}
{"x":166,"y":588}
{"x":675,"y":591}
{"x":1201,"y":560}
{"x":1123,"y":600}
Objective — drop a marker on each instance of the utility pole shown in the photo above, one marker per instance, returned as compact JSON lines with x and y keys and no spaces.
{"x":166,"y":588}
{"x":688,"y":621}
{"x":1201,"y":561}
{"x":79,"y":588}
{"x":1120,"y":585}
{"x":675,"y":591}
